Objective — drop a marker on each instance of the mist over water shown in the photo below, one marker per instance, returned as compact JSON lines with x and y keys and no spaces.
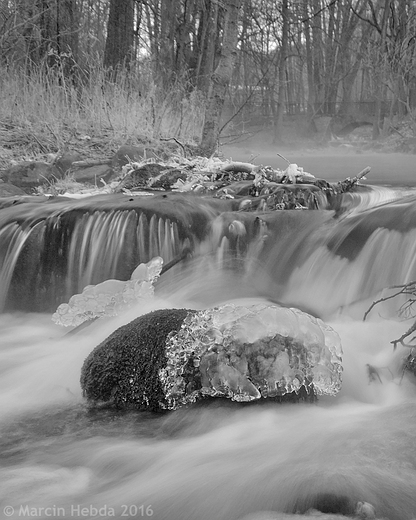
{"x":224,"y":460}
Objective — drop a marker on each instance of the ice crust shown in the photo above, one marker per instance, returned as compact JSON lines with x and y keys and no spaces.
{"x":110,"y":297}
{"x":248,"y":352}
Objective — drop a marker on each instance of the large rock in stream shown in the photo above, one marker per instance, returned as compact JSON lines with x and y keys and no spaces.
{"x":173,"y":357}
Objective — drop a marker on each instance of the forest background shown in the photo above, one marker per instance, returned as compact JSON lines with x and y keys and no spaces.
{"x":203,"y":71}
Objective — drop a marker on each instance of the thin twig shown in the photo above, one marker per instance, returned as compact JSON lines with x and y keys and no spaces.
{"x":53,"y":133}
{"x":176,"y":141}
{"x":405,"y":308}
{"x":403,"y":336}
{"x":404,"y":289}
{"x":44,"y":150}
{"x":284,"y":158}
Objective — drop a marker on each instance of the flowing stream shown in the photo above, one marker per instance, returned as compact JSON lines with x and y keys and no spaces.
{"x":222,"y":461}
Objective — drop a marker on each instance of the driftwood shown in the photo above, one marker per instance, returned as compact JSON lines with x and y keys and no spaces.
{"x":349,"y":182}
{"x":90,"y":162}
{"x":240,"y":167}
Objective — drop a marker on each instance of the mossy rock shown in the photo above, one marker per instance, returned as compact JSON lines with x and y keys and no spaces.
{"x":170,"y":358}
{"x":124,"y":368}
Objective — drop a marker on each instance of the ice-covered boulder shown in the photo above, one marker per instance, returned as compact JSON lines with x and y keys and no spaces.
{"x":170,"y":358}
{"x":110,"y":297}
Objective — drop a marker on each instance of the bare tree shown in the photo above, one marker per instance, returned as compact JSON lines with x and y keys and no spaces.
{"x":221,"y":77}
{"x":278,"y":134}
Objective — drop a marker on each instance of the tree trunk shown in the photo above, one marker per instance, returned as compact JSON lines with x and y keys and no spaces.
{"x":380,"y":80}
{"x":317,"y":57}
{"x":309,"y":63}
{"x":120,"y":34}
{"x":350,"y":72}
{"x":278,"y":134}
{"x":168,"y":27}
{"x":208,"y":40}
{"x":221,"y":77}
{"x":67,"y":26}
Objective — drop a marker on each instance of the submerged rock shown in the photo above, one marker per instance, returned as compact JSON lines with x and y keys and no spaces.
{"x":274,"y":515}
{"x":170,"y":358}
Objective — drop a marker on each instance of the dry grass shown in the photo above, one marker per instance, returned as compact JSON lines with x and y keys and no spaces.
{"x":44,"y":113}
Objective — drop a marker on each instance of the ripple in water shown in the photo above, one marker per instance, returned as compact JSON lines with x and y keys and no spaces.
{"x":220,"y":460}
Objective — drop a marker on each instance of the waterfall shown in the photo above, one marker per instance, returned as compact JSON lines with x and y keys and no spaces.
{"x":218,"y":460}
{"x":313,"y":259}
{"x":44,"y":264}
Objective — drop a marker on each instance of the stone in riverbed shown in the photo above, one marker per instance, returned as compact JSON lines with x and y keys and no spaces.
{"x":127,"y":153}
{"x":10,"y":190}
{"x":65,"y":161}
{"x":170,"y":358}
{"x":310,"y":515}
{"x":28,"y":175}
{"x":94,"y":174}
{"x":151,"y":175}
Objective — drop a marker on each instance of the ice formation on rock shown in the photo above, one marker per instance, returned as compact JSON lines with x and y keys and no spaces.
{"x":245,"y":353}
{"x":110,"y":297}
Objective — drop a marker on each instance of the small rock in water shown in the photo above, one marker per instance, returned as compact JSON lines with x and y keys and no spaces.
{"x":312,"y":514}
{"x":365,"y":511}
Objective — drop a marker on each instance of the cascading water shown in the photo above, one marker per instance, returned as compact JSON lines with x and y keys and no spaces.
{"x":223,"y":461}
{"x":49,"y":256}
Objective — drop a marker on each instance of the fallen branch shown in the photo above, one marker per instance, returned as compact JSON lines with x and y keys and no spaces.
{"x":186,"y":251}
{"x":239,"y":167}
{"x":282,"y":157}
{"x":395,"y":342}
{"x":90,"y":162}
{"x":408,"y":289}
{"x":176,"y":141}
{"x":349,"y":182}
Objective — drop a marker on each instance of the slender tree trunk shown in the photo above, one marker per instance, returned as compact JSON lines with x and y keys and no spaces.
{"x":30,"y":14}
{"x":220,"y":79}
{"x":67,"y":25}
{"x":208,"y":42}
{"x":153,"y":34}
{"x":380,"y":80}
{"x":278,"y":133}
{"x":309,"y":64}
{"x":350,"y":73}
{"x":331,"y":59}
{"x":120,"y":34}
{"x":168,"y":27}
{"x":317,"y":56}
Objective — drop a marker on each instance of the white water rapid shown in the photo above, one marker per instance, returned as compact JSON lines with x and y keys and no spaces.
{"x":222,"y":461}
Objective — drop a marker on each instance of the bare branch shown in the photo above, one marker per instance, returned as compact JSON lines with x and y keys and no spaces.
{"x":403,"y":337}
{"x":176,"y":141}
{"x":404,"y":309}
{"x":409,"y":288}
{"x":316,"y":13}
